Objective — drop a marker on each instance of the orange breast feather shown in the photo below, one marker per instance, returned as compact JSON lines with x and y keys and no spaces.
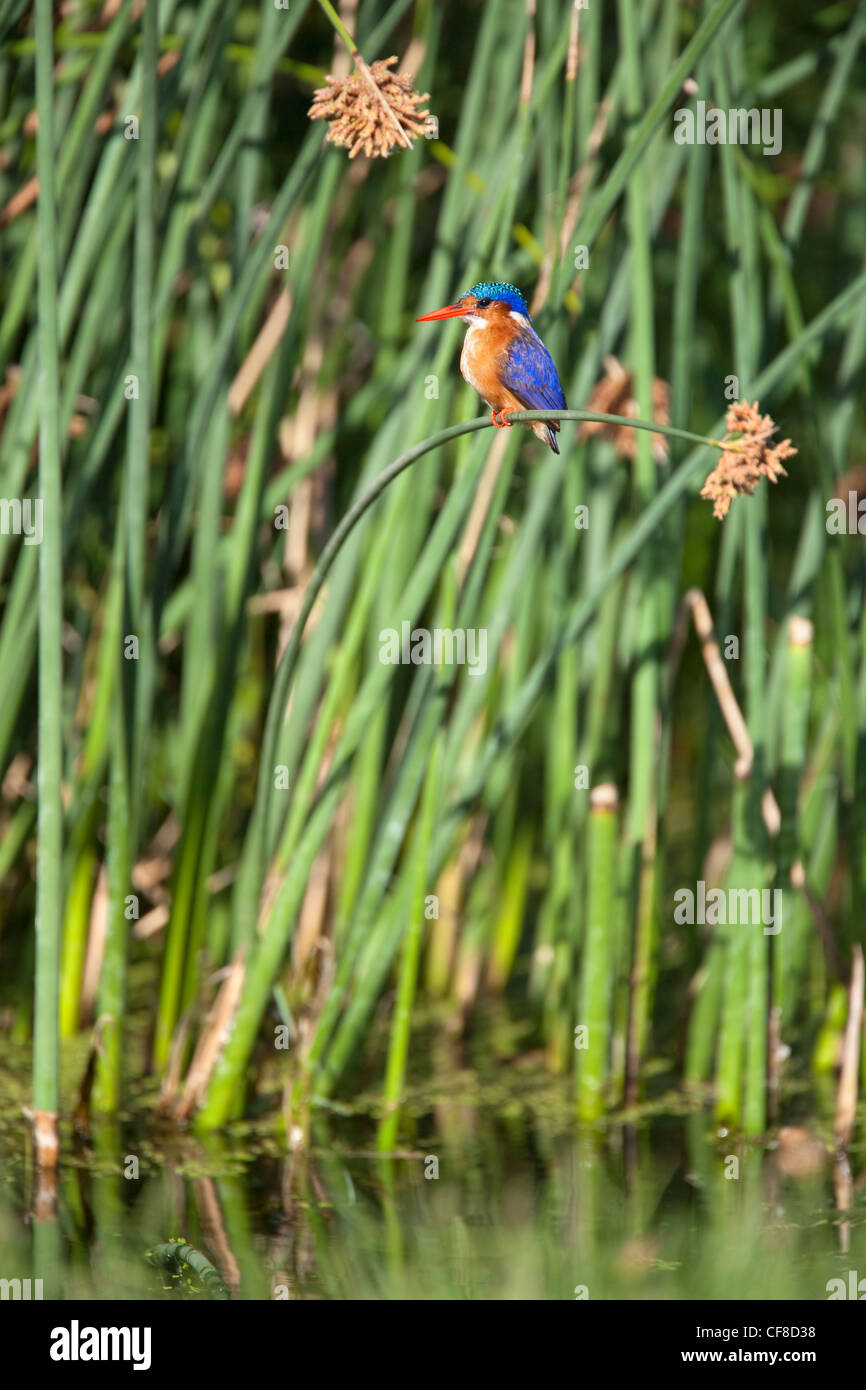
{"x":483,"y":350}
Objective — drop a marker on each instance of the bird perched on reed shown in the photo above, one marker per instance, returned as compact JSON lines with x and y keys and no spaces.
{"x":503,"y":358}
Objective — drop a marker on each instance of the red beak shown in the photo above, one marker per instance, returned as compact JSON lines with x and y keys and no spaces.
{"x":451,"y":311}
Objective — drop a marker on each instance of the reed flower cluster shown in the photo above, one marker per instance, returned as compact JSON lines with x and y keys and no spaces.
{"x":372,"y":110}
{"x":747,"y":457}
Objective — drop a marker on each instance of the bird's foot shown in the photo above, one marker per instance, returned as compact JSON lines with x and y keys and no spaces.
{"x":499,"y":420}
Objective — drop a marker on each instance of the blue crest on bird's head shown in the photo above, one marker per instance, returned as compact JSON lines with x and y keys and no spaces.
{"x":499,"y":289}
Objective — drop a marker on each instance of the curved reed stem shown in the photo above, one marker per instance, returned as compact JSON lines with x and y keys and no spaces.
{"x":377,"y":487}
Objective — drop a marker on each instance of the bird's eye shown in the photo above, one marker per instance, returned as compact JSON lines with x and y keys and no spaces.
{"x":482,"y":303}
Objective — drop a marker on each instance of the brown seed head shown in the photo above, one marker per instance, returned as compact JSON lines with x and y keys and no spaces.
{"x":747,"y":457}
{"x":372,"y":110}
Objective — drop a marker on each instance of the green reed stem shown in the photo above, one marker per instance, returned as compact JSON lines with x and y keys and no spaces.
{"x":140,"y":674}
{"x":49,"y":877}
{"x":135,"y":676}
{"x":646,"y":657}
{"x":401,"y":1026}
{"x":108,"y":1084}
{"x":795,"y":728}
{"x":594,"y":1004}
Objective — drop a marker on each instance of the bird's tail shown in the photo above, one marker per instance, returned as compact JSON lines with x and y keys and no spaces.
{"x":546,"y":431}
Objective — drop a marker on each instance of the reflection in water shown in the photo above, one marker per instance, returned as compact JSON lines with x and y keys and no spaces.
{"x":498,"y":1207}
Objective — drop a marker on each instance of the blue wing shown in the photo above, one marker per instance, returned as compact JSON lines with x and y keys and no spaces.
{"x":528,"y":370}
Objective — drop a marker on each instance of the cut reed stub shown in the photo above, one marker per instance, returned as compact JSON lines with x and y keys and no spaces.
{"x":43,"y":1205}
{"x":801,"y":631}
{"x":604,"y":799}
{"x":45,"y":1138}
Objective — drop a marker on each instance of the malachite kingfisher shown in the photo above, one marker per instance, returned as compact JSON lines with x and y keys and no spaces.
{"x":503,"y":358}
